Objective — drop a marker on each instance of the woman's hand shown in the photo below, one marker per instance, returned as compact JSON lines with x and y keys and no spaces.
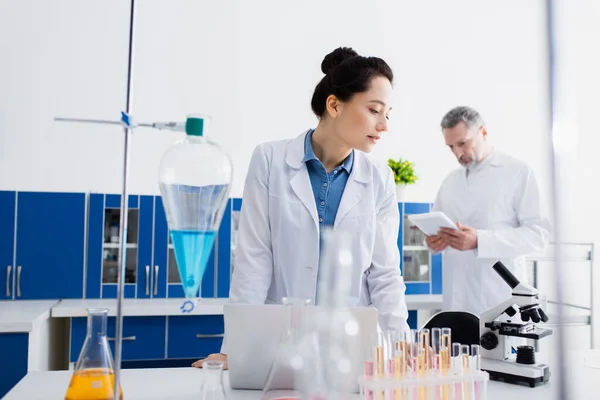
{"x":217,"y":357}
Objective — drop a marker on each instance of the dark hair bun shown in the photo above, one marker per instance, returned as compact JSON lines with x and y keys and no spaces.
{"x":337,"y":57}
{"x":346,"y":73}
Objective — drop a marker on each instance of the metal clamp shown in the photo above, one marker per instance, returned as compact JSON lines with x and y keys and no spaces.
{"x":129,"y":338}
{"x":8,"y":268}
{"x":155,"y":279}
{"x":205,"y":336}
{"x":19,"y":281}
{"x":147,"y":279}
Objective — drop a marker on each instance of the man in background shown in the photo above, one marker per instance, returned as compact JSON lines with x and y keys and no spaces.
{"x":494,"y":199}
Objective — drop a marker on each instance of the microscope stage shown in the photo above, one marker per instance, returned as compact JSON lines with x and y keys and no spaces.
{"x":528,"y":331}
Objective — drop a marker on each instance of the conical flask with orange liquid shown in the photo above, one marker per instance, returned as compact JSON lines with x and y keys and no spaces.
{"x":94,"y":376}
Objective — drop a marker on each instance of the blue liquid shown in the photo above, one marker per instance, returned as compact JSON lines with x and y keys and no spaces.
{"x":192,"y":251}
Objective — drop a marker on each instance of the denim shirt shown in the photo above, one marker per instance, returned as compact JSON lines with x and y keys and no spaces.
{"x":328,"y":188}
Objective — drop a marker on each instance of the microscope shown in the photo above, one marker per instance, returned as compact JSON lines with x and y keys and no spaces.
{"x":498,"y":329}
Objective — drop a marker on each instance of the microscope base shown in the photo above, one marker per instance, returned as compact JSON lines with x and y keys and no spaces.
{"x":511,"y":372}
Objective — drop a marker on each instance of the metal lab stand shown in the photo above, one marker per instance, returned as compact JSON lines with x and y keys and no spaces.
{"x":573,"y":253}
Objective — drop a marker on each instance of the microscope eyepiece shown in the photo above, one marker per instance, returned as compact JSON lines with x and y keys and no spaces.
{"x":505,"y":274}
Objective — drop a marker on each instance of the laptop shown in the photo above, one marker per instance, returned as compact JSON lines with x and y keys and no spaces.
{"x":254,"y":333}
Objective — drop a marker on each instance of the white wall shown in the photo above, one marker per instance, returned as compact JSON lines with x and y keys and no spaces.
{"x":253,"y":66}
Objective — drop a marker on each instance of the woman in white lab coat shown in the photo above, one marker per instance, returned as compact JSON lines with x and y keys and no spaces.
{"x":296,"y":187}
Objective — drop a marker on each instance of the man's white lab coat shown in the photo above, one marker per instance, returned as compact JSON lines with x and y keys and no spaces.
{"x":500,"y":198}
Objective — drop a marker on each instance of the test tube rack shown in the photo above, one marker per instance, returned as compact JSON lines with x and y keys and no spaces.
{"x":453,"y":385}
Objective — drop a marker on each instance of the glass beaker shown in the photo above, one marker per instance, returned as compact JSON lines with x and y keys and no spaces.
{"x":212,"y":383}
{"x":332,"y":350}
{"x":281,"y":383}
{"x":94,"y":377}
{"x":195,"y":178}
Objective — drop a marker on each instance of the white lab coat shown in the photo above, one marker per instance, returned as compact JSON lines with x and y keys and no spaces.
{"x":500,"y":198}
{"x":278,"y":239}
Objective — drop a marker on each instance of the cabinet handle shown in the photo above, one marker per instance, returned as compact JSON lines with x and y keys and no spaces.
{"x":19,"y":281}
{"x":147,"y":279}
{"x":128,"y":338}
{"x":203,"y":336}
{"x":8,"y":268}
{"x":156,"y":279}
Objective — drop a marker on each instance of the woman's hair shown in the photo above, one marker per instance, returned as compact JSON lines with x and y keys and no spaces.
{"x":346,"y":73}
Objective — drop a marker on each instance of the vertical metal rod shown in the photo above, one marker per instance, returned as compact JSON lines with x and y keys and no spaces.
{"x":124,"y":213}
{"x":555,"y":111}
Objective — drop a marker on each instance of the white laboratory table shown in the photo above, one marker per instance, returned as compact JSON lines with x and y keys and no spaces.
{"x":23,"y":315}
{"x":184,"y":384}
{"x":137,"y":307}
{"x":206,"y":306}
{"x":33,"y":318}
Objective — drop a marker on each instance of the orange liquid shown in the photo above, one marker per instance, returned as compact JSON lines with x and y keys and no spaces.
{"x":92,"y":384}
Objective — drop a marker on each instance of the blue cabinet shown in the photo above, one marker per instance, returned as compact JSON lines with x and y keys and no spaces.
{"x":103,"y":246}
{"x":143,"y":337}
{"x":14,"y":360}
{"x":157,"y":337}
{"x":42,"y":245}
{"x":151,"y":268}
{"x":7,"y":244}
{"x":50,"y":245}
{"x":145,"y":269}
{"x":422,"y":271}
{"x":194,"y":336}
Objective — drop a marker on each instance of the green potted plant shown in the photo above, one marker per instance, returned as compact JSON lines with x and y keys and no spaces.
{"x":404,"y":175}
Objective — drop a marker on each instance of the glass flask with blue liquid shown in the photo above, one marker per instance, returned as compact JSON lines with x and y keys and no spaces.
{"x":195,"y":178}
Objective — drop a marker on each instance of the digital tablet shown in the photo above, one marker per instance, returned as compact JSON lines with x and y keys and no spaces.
{"x":430,"y":223}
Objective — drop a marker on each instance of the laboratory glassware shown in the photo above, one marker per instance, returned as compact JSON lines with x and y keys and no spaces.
{"x":332,"y":349}
{"x":93,"y":378}
{"x":195,"y":177}
{"x":212,"y":381}
{"x":281,"y":382}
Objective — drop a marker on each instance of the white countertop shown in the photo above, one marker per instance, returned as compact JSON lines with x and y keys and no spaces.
{"x":184,"y":384}
{"x":21,"y":315}
{"x":138,"y":307}
{"x":206,"y":306}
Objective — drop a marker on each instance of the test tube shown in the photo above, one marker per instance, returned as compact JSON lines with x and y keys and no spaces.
{"x":370,"y":362}
{"x":392,"y":360}
{"x":402,"y":370}
{"x":424,"y":355}
{"x":445,"y":348}
{"x":391,"y":345}
{"x":380,"y":361}
{"x":380,"y":356}
{"x":403,"y":354}
{"x":446,"y":360}
{"x":414,"y":360}
{"x":475,"y":357}
{"x":436,"y":345}
{"x":464,"y":357}
{"x":456,"y":368}
{"x":476,"y":366}
{"x":456,"y":357}
{"x":414,"y":350}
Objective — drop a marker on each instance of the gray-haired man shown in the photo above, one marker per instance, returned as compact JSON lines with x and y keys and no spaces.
{"x":494,"y":200}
